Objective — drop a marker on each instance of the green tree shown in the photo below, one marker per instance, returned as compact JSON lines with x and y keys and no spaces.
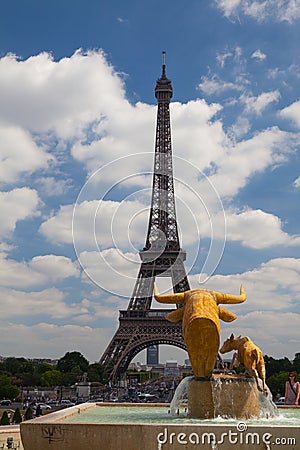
{"x":7,"y":389}
{"x":13,"y":365}
{"x":72,"y":377}
{"x":38,"y":411}
{"x":96,"y":373}
{"x":276,"y":383}
{"x":41,"y":368}
{"x":27,"y":366}
{"x":17,"y":418}
{"x":28,"y":413}
{"x":71,"y":360}
{"x":274,"y":366}
{"x":4,"y":419}
{"x":33,"y":371}
{"x":24,"y":371}
{"x":296,"y":363}
{"x":51,"y":378}
{"x":21,"y":369}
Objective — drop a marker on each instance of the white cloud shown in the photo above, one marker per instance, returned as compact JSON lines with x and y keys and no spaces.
{"x":258,"y":104}
{"x":97,"y":224}
{"x":258,"y":229}
{"x":276,"y":333}
{"x":48,"y":340}
{"x":197,"y":119}
{"x":292,"y":112}
{"x":40,"y":270}
{"x":259,"y":55}
{"x":215,"y":85}
{"x":58,"y":228}
{"x":122,"y":20}
{"x":222,"y":57}
{"x":239,"y":162}
{"x":116,"y":135}
{"x":254,"y":229}
{"x":49,"y":302}
{"x":262,"y":10}
{"x":16,"y":205}
{"x":42,"y":95}
{"x":51,"y":186}
{"x":229,"y":7}
{"x":272,"y":286}
{"x":111,"y":270}
{"x":239,"y":128}
{"x":18,"y":153}
{"x":54,"y":267}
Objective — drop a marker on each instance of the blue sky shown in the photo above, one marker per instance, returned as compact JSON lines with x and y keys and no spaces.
{"x":77,"y":126}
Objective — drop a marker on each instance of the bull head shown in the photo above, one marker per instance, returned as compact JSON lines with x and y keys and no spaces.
{"x":200,"y":315}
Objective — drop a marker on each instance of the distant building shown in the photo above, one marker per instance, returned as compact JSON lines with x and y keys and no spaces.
{"x":171,"y":369}
{"x":52,"y":362}
{"x":152,"y":355}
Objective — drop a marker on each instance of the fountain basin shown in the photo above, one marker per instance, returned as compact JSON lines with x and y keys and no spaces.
{"x":72,"y":429}
{"x":222,"y":395}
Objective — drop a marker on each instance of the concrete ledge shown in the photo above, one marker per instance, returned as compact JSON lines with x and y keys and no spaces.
{"x":51,"y":432}
{"x":10,"y":431}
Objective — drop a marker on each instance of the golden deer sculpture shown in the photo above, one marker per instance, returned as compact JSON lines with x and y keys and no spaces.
{"x":200,"y":315}
{"x":249,"y":355}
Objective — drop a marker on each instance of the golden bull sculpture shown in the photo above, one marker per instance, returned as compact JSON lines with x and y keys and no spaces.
{"x":200,"y":315}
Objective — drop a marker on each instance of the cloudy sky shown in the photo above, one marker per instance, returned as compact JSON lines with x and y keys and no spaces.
{"x":77,"y":127}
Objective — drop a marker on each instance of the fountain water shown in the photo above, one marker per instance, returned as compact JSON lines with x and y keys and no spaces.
{"x":150,"y":427}
{"x":224,"y":396}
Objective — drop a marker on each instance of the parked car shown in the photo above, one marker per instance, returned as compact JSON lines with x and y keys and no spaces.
{"x":43,"y":406}
{"x":5,"y":402}
{"x":67,"y":403}
{"x":79,"y":401}
{"x":53,"y":402}
{"x":96,"y":400}
{"x":147,"y":398}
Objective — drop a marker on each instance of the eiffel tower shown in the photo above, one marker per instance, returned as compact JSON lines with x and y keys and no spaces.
{"x":140,"y":326}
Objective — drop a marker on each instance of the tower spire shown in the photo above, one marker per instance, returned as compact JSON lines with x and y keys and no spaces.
{"x":163,"y":74}
{"x":163,"y":88}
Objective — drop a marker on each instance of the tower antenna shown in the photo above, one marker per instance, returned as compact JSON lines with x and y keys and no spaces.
{"x":163,"y":64}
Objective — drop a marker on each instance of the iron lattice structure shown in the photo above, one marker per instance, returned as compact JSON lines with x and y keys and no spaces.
{"x":141,"y":326}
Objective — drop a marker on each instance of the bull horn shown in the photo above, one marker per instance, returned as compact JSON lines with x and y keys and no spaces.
{"x":228,"y":298}
{"x":169,"y":298}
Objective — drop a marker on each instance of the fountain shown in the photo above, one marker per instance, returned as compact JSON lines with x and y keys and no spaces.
{"x":208,"y":409}
{"x":208,"y":395}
